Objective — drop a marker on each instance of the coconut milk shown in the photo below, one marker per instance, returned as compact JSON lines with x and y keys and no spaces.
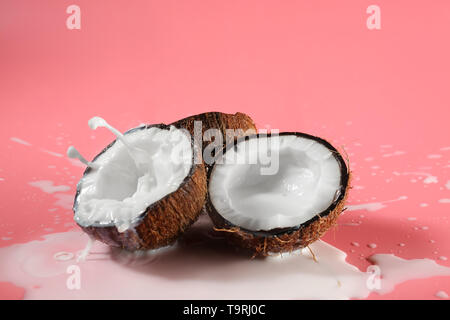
{"x":200,"y":266}
{"x":136,"y":171}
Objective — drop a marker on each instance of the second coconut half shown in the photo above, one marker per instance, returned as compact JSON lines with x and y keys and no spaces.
{"x":277,"y":193}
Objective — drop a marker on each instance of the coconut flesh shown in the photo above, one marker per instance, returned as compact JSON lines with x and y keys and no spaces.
{"x":138,"y":169}
{"x":303,"y":182}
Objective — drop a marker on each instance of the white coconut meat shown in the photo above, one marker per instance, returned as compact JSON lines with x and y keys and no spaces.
{"x":305,"y":180}
{"x":127,"y":179}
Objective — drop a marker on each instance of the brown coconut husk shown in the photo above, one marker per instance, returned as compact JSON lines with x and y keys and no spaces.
{"x":240,"y":122}
{"x":263,"y":243}
{"x":164,"y":220}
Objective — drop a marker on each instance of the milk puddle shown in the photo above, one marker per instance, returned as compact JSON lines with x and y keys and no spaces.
{"x":200,"y":266}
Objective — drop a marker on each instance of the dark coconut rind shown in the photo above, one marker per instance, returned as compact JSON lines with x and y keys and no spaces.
{"x":164,"y":220}
{"x":221,"y":121}
{"x":262,"y":243}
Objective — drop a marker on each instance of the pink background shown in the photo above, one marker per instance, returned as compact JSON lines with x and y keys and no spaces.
{"x":310,"y":66}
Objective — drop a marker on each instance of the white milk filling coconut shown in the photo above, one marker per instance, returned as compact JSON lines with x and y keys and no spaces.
{"x":118,"y":192}
{"x":306,"y":183}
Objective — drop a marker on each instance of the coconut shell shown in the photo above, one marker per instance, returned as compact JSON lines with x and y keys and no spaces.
{"x":164,"y":220}
{"x":221,"y":121}
{"x":262,"y":243}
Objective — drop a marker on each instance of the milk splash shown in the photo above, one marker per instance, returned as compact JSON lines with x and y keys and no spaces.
{"x":73,"y":153}
{"x":48,"y":186}
{"x":396,"y":270}
{"x":139,"y":156}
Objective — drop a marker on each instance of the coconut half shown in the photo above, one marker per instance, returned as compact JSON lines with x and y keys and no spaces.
{"x":143,"y":198}
{"x":275,"y":193}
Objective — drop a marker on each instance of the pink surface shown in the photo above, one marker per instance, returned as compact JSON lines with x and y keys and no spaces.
{"x":310,"y":66}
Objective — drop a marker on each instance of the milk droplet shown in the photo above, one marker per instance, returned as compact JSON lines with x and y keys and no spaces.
{"x":75,"y":154}
{"x":63,"y":256}
{"x":96,"y":122}
{"x":396,"y":153}
{"x":55,"y":154}
{"x":430,"y":179}
{"x":20,"y":141}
